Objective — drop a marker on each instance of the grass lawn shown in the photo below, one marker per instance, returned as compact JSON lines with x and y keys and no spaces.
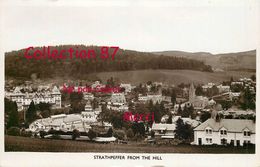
{"x":17,"y":143}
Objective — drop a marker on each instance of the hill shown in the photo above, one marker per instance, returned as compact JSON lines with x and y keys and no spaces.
{"x":228,"y":61}
{"x":174,"y":77}
{"x":17,"y":66}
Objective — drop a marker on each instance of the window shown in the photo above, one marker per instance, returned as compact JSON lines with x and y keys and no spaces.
{"x":223,"y":132}
{"x":208,"y":131}
{"x":247,"y":133}
{"x":246,"y":142}
{"x":232,"y":142}
{"x":223,"y":141}
{"x":208,"y":140}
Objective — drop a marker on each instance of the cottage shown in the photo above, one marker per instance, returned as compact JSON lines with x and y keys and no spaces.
{"x":235,"y":132}
{"x":164,"y":130}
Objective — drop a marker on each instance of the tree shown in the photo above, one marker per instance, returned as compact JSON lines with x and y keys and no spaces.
{"x":212,"y":91}
{"x":45,"y":109}
{"x":130,"y":133}
{"x":91,"y":134}
{"x":31,"y":113}
{"x":169,"y":121}
{"x":76,"y":96}
{"x":152,"y":134}
{"x":205,"y":116}
{"x":173,"y":98}
{"x":139,"y":128}
{"x":253,"y":77}
{"x":75,"y":134}
{"x":183,"y":131}
{"x":12,"y":112}
{"x":247,"y":99}
{"x":43,"y":106}
{"x":199,"y":91}
{"x":109,"y":132}
{"x":185,"y":112}
{"x":179,"y":110}
{"x":13,"y":131}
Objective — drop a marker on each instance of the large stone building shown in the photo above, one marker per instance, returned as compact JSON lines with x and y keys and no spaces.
{"x":23,"y":100}
{"x":198,"y":102}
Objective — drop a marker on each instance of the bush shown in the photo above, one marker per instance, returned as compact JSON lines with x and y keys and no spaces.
{"x":91,"y":134}
{"x":130,"y":133}
{"x":75,"y":134}
{"x":26,"y":133}
{"x":13,"y":131}
{"x":110,"y":132}
{"x":42,"y":134}
{"x":120,"y":134}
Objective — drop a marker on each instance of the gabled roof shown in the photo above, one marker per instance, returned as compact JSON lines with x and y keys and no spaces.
{"x":232,"y":125}
{"x":163,"y":126}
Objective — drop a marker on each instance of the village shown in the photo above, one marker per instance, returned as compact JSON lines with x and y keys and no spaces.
{"x":153,"y":113}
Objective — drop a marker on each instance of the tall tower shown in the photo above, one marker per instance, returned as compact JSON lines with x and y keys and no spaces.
{"x":57,"y":97}
{"x":191,"y":93}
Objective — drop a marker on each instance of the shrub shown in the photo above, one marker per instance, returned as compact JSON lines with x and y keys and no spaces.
{"x":109,"y":132}
{"x":42,"y":134}
{"x":13,"y":131}
{"x":120,"y":134}
{"x":91,"y":134}
{"x":130,"y":133}
{"x":75,"y":134}
{"x":26,"y":133}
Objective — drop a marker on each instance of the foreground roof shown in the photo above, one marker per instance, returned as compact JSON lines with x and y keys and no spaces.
{"x":232,"y":125}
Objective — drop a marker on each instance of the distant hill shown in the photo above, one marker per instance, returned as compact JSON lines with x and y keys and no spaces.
{"x":17,"y":66}
{"x":174,"y":77}
{"x":228,"y":61}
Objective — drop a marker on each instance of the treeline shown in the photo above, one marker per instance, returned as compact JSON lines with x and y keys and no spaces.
{"x":16,"y":65}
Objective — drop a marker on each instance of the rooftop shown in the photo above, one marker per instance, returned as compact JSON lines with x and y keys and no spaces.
{"x":232,"y":125}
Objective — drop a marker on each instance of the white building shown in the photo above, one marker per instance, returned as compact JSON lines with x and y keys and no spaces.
{"x":236,"y":112}
{"x":88,"y":96}
{"x":198,"y":102}
{"x":192,"y":122}
{"x":223,"y":89}
{"x":23,"y":100}
{"x":154,"y":98}
{"x":225,"y":131}
{"x":60,"y":122}
{"x":68,"y":122}
{"x":90,"y":115}
{"x":207,"y":86}
{"x":127,"y":87}
{"x":164,"y":130}
{"x":97,"y":84}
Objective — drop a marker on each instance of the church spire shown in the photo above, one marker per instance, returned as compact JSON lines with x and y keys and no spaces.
{"x":191,"y":92}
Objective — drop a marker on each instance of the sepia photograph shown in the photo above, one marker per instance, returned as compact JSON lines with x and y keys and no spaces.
{"x":130,"y":80}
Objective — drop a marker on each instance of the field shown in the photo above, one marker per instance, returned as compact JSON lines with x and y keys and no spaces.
{"x":15,"y":143}
{"x":173,"y":76}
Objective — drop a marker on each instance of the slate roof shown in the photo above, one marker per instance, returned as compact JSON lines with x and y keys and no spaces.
{"x":232,"y":125}
{"x":163,"y":126}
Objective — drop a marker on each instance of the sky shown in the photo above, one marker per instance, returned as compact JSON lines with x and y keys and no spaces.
{"x":219,"y":26}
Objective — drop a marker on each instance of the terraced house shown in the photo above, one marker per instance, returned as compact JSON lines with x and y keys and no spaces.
{"x":236,"y":132}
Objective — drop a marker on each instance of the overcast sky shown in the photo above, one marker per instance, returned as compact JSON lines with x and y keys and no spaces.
{"x":211,"y":26}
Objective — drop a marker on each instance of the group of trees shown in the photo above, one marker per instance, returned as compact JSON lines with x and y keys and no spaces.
{"x":247,"y":99}
{"x":13,"y":118}
{"x":137,"y":128}
{"x":183,"y":131}
{"x":18,"y":66}
{"x":187,"y":111}
{"x":11,"y":114}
